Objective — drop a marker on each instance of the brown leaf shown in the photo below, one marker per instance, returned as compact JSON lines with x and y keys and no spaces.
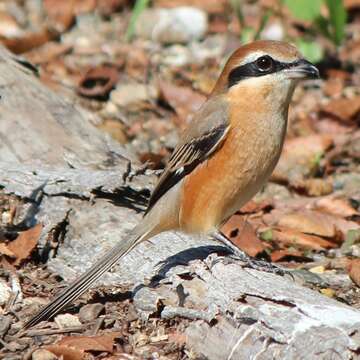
{"x":339,"y":207}
{"x":354,"y":271}
{"x":28,"y":42}
{"x":291,"y":237}
{"x":317,"y":223}
{"x":183,"y":100}
{"x":309,"y":222}
{"x":299,"y":157}
{"x":25,"y":243}
{"x":285,"y":255}
{"x":66,"y":353}
{"x":253,"y":206}
{"x":98,"y":82}
{"x":153,"y":161}
{"x":62,"y":13}
{"x":91,"y":343}
{"x":4,"y":250}
{"x":333,"y":87}
{"x":47,"y":52}
{"x":345,"y":109}
{"x":108,"y":7}
{"x":243,"y":235}
{"x":315,"y":186}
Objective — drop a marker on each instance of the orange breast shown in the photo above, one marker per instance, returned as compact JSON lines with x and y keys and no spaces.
{"x":232,"y":176}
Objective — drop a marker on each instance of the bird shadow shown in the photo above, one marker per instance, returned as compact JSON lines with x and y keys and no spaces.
{"x":182,"y":258}
{"x":125,"y":196}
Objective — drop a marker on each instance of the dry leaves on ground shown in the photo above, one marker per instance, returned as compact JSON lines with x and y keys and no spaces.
{"x":21,"y":248}
{"x":77,"y":347}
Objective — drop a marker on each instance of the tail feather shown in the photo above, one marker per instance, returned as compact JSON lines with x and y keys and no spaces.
{"x":85,"y":281}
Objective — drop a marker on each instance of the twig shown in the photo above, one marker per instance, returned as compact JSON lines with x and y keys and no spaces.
{"x":41,"y":332}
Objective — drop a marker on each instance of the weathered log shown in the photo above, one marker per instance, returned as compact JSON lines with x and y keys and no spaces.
{"x":37,"y":125}
{"x":236,"y":313}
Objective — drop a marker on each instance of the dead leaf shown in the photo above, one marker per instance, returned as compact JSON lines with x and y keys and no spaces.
{"x":66,"y":353}
{"x":286,"y":255}
{"x":47,"y":52}
{"x":101,"y":343}
{"x":339,"y":207}
{"x":153,"y":161}
{"x":98,"y":82}
{"x":354,"y":271}
{"x":62,"y":13}
{"x":4,"y":250}
{"x":25,"y":243}
{"x":309,"y":223}
{"x":344,"y":109}
{"x":291,"y":237}
{"x":253,"y":206}
{"x":315,"y":223}
{"x":28,"y":42}
{"x":182,"y":99}
{"x":108,"y":7}
{"x":333,"y":87}
{"x":300,"y":157}
{"x":243,"y":235}
{"x":315,"y":186}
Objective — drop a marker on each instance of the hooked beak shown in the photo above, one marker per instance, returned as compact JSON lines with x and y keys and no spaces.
{"x":302,"y":69}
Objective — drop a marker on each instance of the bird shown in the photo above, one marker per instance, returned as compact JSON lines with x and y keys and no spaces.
{"x":222,"y":159}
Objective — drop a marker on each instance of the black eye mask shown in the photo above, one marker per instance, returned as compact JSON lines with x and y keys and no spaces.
{"x":262,"y":66}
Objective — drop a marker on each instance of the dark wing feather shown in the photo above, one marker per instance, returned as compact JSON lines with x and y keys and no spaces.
{"x":185,"y":158}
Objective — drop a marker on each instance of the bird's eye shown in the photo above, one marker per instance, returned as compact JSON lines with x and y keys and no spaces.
{"x":265,"y":63}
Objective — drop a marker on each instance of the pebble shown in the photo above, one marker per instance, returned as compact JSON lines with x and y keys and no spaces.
{"x":317,"y":269}
{"x":42,"y":354}
{"x":170,"y":26}
{"x":195,"y":53}
{"x":274,"y":31}
{"x":67,"y":320}
{"x":5,"y":322}
{"x":5,"y":293}
{"x":132,"y":94}
{"x":90,"y":312}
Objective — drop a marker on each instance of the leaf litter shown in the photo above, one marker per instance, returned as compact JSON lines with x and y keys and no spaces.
{"x":145,"y":93}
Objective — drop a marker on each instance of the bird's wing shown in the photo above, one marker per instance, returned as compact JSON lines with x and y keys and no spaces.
{"x":204,"y":135}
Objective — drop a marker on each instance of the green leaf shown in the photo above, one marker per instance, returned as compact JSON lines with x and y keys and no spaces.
{"x":236,"y":5}
{"x":247,"y":35}
{"x":311,"y":50}
{"x":267,"y":235}
{"x":139,"y":7}
{"x":264,"y":20}
{"x":307,"y":10}
{"x":337,"y":20}
{"x":352,"y":237}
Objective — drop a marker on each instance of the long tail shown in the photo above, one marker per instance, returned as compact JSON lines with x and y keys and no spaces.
{"x":85,"y":281}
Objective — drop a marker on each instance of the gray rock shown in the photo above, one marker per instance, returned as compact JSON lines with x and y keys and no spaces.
{"x":169,"y":26}
{"x":5,"y":293}
{"x":42,"y":354}
{"x":90,"y":312}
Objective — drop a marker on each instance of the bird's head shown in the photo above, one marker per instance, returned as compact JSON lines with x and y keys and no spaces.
{"x":271,"y":68}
